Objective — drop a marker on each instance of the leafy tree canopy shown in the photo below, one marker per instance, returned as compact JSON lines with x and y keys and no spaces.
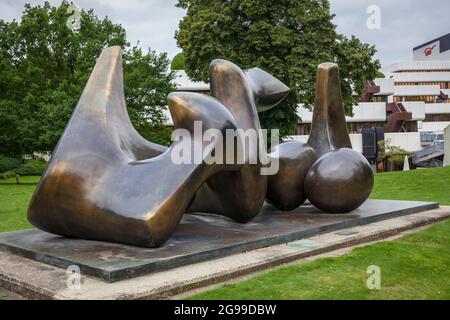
{"x":178,"y":62}
{"x":287,"y":38}
{"x":44,"y":67}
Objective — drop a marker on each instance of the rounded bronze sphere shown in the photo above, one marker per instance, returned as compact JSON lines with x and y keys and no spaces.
{"x":340,"y":181}
{"x":286,"y":189}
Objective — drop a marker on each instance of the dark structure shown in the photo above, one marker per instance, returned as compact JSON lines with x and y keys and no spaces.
{"x":199,"y":237}
{"x":397,"y":116}
{"x":372,"y":137}
{"x":105,"y":182}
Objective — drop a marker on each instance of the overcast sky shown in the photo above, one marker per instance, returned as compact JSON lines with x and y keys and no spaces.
{"x":404,"y":23}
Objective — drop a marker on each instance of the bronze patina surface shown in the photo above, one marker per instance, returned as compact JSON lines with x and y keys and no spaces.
{"x":286,"y":189}
{"x":99,"y":184}
{"x":105,"y":182}
{"x":240,"y":194}
{"x":342,"y":179}
{"x":328,"y":129}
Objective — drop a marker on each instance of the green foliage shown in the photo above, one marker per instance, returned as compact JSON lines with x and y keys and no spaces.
{"x":147,"y":84}
{"x":288,"y":38}
{"x":380,"y":75}
{"x":44,"y":67}
{"x":178,"y":62}
{"x":7,"y":164}
{"x":392,"y":153}
{"x":9,"y":167}
{"x":32,"y":167}
{"x":158,"y":134}
{"x":7,"y":175}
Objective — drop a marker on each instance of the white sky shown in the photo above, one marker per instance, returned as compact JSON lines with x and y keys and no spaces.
{"x":404,"y":23}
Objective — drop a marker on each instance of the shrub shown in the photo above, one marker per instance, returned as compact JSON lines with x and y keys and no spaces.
{"x":32,"y":168}
{"x":7,"y":175}
{"x":8,"y":164}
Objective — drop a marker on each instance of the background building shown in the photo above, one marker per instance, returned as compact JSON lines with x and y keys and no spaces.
{"x":437,"y":49}
{"x":411,"y":104}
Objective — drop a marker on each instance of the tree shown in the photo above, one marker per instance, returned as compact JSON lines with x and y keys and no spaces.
{"x":44,"y":67}
{"x":287,"y":38}
{"x":178,"y":62}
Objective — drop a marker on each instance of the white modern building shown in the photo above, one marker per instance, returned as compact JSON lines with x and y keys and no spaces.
{"x":411,"y":103}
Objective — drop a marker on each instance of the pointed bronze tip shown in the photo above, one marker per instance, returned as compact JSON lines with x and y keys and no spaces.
{"x":113,"y":49}
{"x":110,"y":53}
{"x":329,"y":130}
{"x":267,"y":90}
{"x":328,"y":65}
{"x":328,"y":73}
{"x":188,"y":107}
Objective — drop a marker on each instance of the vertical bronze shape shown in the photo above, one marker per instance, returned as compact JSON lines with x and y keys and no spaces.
{"x":329,"y":130}
{"x":342,"y":179}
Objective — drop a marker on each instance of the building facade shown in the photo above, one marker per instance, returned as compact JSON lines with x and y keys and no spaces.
{"x":411,"y":103}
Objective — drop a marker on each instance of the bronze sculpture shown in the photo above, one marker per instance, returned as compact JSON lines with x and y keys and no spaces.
{"x":98,"y":184}
{"x":105,"y":182}
{"x":342,"y":179}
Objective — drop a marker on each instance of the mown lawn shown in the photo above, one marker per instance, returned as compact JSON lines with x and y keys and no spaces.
{"x":417,"y":185}
{"x":414,"y":267}
{"x":14,"y":200}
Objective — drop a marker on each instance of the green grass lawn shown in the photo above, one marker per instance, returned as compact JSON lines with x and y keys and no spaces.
{"x":417,"y":185}
{"x":414,"y":267}
{"x":14,"y":200}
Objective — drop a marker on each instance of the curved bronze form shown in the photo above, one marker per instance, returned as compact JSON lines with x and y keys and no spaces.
{"x":98,"y":185}
{"x":240,"y":194}
{"x":340,"y":181}
{"x":286,"y":188}
{"x":106,"y":182}
{"x":267,"y":90}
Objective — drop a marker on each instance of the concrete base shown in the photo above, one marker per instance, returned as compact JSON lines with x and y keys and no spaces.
{"x":37,"y":280}
{"x":198,"y":238}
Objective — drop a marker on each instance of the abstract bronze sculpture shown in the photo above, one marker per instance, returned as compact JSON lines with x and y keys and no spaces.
{"x":105,"y":182}
{"x":342,"y":179}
